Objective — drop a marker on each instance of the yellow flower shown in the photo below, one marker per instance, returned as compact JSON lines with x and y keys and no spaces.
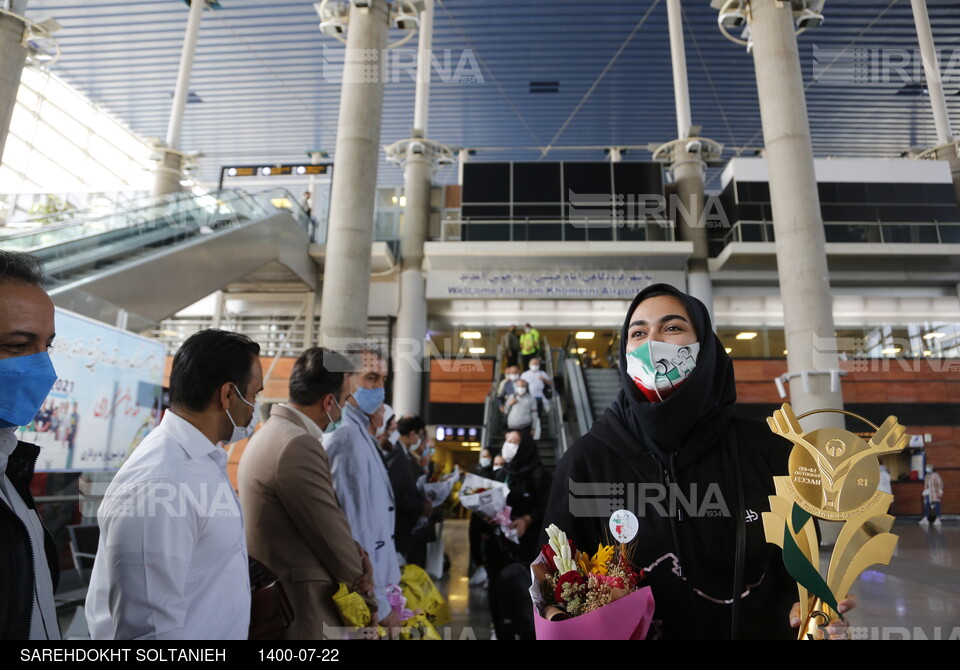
{"x":583,"y":562}
{"x":598,"y":564}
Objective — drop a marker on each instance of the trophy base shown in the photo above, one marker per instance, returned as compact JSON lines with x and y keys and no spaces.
{"x":819,"y":616}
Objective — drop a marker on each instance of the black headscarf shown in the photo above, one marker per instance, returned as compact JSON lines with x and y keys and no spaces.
{"x":527,"y":458}
{"x":692,"y":418}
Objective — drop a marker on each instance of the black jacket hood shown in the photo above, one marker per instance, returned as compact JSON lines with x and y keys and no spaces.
{"x":690,"y":420}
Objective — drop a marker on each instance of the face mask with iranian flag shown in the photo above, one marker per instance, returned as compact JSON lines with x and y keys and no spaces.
{"x":658,"y":368}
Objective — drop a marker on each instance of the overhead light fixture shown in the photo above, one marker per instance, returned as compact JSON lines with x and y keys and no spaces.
{"x":470,"y":334}
{"x":581,"y":350}
{"x":728,"y":349}
{"x":476,"y":448}
{"x":891,"y":350}
{"x":784,"y":352}
{"x":927,"y":353}
{"x":477,"y":350}
{"x":585,"y":335}
{"x":746,"y":336}
{"x":933,"y":336}
{"x":403,"y":201}
{"x":809,"y":19}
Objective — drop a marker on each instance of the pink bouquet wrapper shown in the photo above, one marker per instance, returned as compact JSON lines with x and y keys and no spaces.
{"x":625,"y":619}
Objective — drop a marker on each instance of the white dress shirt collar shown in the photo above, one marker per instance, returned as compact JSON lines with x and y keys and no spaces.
{"x":308,"y":423}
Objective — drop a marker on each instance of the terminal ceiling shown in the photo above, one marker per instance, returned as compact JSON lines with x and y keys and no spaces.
{"x":267,"y":95}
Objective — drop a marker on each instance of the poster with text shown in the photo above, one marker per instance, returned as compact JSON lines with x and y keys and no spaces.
{"x":106,"y":398}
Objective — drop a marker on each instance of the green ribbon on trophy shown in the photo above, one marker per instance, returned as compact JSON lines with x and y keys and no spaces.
{"x":833,"y":476}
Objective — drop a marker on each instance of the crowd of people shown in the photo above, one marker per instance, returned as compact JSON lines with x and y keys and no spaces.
{"x":330,"y":489}
{"x":329,"y":492}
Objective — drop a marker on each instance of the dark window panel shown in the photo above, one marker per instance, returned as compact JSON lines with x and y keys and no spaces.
{"x":486,"y":182}
{"x":536,"y":182}
{"x":586,"y":181}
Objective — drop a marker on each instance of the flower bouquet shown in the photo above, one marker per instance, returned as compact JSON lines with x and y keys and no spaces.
{"x":489,"y":498}
{"x":484,"y":496}
{"x":438,"y":491}
{"x":582,"y":597}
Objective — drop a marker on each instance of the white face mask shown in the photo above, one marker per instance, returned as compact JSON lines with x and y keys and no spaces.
{"x":394,"y":436}
{"x":521,"y":390}
{"x":414,"y":446}
{"x":380,"y":431}
{"x":485,"y":462}
{"x":534,"y":367}
{"x":513,"y":377}
{"x":509,"y":451}
{"x":243,"y":432}
{"x":497,"y":467}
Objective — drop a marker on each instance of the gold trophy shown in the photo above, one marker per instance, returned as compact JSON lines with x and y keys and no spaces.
{"x":833,"y":475}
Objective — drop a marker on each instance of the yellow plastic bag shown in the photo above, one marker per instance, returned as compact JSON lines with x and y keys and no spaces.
{"x":421,"y":593}
{"x":352,"y":608}
{"x":418,"y":628}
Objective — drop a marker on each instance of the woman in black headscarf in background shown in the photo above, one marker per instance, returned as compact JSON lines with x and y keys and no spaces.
{"x":695,"y":474}
{"x":508,"y":563}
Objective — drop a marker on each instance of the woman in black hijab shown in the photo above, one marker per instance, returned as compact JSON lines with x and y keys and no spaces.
{"x":508,"y":564}
{"x":675,"y":454}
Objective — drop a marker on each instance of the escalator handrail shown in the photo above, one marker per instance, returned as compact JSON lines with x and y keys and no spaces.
{"x":119,"y":212}
{"x":579,"y":394}
{"x":557,"y":413}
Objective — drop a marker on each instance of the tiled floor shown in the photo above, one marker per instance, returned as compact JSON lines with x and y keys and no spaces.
{"x":916,"y":596}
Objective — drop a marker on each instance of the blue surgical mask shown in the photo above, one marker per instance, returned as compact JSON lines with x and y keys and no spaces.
{"x":25,"y":382}
{"x":368,"y":400}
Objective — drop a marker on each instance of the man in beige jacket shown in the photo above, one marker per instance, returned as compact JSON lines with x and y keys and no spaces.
{"x":294,"y":522}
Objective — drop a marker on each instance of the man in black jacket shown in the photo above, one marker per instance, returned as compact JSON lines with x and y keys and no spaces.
{"x":28,"y":559}
{"x":410,"y":503}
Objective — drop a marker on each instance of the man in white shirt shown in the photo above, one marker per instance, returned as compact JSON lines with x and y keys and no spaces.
{"x":28,"y":557}
{"x":536,"y":380}
{"x":172,"y":561}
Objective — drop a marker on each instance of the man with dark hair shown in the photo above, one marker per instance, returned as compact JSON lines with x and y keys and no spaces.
{"x":28,"y":558}
{"x":172,"y":561}
{"x":411,"y":504}
{"x":294,"y":522}
{"x":361,"y":479}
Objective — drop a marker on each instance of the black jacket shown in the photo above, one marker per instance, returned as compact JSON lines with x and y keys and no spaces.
{"x":680,"y":465}
{"x":409,"y":503}
{"x":16,"y":554}
{"x":529,"y":486}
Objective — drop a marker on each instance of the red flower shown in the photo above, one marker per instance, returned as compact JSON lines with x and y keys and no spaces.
{"x":549,"y":553}
{"x":572,"y":577}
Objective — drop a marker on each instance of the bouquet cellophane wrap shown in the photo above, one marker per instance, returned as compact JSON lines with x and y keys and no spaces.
{"x":490,"y":501}
{"x":626,"y":618}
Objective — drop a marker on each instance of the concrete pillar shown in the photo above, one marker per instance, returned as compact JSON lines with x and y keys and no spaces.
{"x":168,"y":173}
{"x":464,"y":156}
{"x":417,"y":178}
{"x":688,"y":174}
{"x":801,"y":255}
{"x":12,"y":58}
{"x":346,"y":281}
{"x":938,"y":103}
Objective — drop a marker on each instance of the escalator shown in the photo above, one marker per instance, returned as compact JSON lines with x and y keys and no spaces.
{"x":553,"y":440}
{"x":135,"y":266}
{"x":588,"y":391}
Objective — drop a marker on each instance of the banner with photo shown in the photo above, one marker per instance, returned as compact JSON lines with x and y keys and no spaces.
{"x":106,"y":399}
